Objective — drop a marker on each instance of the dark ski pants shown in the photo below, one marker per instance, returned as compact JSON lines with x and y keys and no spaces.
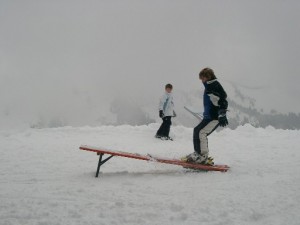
{"x":205,"y":128}
{"x":164,"y":129}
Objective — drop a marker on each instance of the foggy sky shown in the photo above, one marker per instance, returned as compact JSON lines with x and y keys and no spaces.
{"x":58,"y":56}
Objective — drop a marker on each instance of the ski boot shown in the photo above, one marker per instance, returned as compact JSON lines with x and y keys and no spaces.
{"x":197,"y":158}
{"x":157,"y":136}
{"x":193,"y":157}
{"x":170,"y":139}
{"x":164,"y":138}
{"x":209,"y":161}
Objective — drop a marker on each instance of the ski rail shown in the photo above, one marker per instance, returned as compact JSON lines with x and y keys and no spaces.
{"x":102,"y":151}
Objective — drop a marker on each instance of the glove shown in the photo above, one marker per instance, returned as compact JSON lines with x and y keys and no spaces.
{"x":161,"y":114}
{"x":223,"y":122}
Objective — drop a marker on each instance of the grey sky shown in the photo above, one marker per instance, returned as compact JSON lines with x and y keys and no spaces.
{"x":52,"y":51}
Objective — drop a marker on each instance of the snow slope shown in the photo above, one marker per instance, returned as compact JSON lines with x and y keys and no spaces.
{"x":45,"y":179}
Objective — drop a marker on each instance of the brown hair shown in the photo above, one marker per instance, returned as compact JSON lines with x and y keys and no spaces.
{"x":169,"y":86}
{"x":207,"y":73}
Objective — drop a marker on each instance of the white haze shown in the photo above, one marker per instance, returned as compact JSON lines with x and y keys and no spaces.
{"x":71,"y":59}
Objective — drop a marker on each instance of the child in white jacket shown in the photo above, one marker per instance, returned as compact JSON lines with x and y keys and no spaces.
{"x":166,"y":112}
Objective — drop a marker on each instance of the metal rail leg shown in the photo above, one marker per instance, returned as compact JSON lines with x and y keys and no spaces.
{"x":100,"y":163}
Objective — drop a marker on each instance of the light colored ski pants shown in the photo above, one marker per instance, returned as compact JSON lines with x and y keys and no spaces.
{"x":205,"y":128}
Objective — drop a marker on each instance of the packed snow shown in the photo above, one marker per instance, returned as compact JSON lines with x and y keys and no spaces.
{"x":46,"y":180}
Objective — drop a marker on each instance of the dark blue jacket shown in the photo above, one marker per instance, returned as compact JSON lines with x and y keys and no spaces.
{"x":214,"y":99}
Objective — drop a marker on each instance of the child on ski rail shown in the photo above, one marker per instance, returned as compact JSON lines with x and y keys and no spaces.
{"x":166,"y":112}
{"x":215,"y":107}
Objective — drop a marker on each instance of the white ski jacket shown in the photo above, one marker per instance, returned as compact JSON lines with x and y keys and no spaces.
{"x":166,"y":104}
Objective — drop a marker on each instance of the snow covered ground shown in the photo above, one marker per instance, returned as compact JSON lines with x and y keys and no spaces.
{"x":46,"y":180}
